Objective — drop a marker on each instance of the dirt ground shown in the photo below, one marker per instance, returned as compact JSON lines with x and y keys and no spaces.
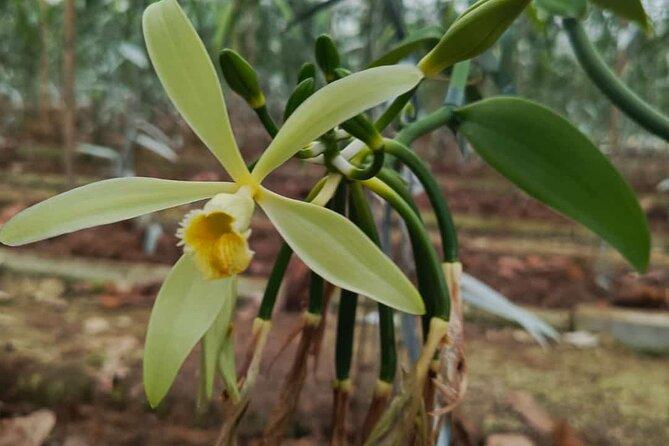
{"x":63,"y":348}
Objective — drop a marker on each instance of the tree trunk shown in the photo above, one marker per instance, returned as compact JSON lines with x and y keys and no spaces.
{"x":69,"y":102}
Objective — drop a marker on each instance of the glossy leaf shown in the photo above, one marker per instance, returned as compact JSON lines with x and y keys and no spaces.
{"x":338,"y":251}
{"x":551,"y":160}
{"x":627,"y":9}
{"x":215,"y":337}
{"x":428,"y":36}
{"x":332,"y":105}
{"x":103,"y":202}
{"x":189,"y":78}
{"x":186,"y":306}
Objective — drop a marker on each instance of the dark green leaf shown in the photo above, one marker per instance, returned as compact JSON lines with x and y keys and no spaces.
{"x":547,"y":157}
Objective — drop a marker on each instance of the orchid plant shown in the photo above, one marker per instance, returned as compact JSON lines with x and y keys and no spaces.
{"x":333,"y":230}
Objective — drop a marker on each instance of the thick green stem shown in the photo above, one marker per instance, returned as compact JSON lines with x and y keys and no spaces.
{"x":438,"y":118}
{"x":444,"y":219}
{"x":348,"y":303}
{"x":362,"y":216}
{"x":431,"y":280}
{"x":316,"y":294}
{"x":609,"y":84}
{"x":388,"y":351}
{"x":274,"y":282}
{"x":396,"y":182}
{"x":455,"y":97}
{"x":266,"y":120}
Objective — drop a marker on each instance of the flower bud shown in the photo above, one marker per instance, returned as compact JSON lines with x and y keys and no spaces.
{"x":327,"y":56}
{"x":307,"y":70}
{"x":476,"y":30}
{"x":241,"y":77}
{"x":303,"y":90}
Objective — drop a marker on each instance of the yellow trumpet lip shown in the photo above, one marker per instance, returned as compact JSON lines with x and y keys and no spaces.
{"x":217,"y":235}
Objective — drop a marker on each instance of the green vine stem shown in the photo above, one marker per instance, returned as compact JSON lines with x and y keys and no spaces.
{"x":274,"y":282}
{"x":609,"y":84}
{"x":433,"y":191}
{"x":362,"y":214}
{"x":348,"y":303}
{"x":455,"y":97}
{"x":431,"y":281}
{"x":267,"y":121}
{"x":397,"y":183}
{"x":438,"y":118}
{"x":316,"y":295}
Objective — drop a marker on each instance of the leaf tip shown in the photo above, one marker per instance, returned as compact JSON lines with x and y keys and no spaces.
{"x":641,"y":260}
{"x":154,"y":393}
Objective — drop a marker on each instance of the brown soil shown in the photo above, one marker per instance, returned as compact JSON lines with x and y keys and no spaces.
{"x":608,"y":395}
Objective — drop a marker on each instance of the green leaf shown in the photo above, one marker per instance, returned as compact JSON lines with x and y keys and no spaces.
{"x":428,"y":36}
{"x":627,"y":9}
{"x":332,"y":105}
{"x":186,"y":306}
{"x":189,"y":78}
{"x":476,"y":30}
{"x":564,"y":8}
{"x":103,"y":202}
{"x":340,"y":252}
{"x":547,"y":157}
{"x":215,"y":337}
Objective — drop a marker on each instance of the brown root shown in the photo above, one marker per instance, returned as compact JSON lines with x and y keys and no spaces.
{"x":382,"y":392}
{"x":290,"y":392}
{"x":453,"y":385}
{"x":320,"y":333}
{"x":341,"y":391}
{"x":228,"y":433}
{"x":397,"y":425}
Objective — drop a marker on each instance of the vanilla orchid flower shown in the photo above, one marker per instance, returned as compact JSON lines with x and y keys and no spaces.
{"x":201,"y":284}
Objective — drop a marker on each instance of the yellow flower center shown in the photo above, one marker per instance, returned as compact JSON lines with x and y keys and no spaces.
{"x":217,"y":239}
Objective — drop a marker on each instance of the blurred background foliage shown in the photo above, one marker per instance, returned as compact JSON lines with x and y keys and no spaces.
{"x":114,"y":79}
